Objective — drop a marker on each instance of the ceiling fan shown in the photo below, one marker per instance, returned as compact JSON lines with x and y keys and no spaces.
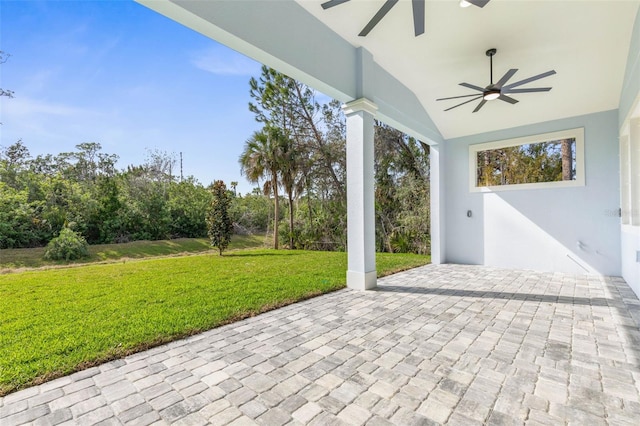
{"x":500,"y":89}
{"x":418,"y":12}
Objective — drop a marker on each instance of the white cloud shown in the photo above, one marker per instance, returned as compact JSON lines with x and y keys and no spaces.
{"x":47,"y":127}
{"x":21,"y":108}
{"x":224,"y":61}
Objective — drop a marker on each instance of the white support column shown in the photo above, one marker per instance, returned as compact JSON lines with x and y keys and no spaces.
{"x":437,"y":201}
{"x":361,"y":248}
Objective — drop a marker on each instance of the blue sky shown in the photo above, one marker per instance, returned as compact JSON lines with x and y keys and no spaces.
{"x":117,"y":73}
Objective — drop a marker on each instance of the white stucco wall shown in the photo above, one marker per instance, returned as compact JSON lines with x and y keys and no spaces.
{"x":539,"y":228}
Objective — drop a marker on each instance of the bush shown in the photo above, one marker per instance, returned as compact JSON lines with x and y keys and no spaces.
{"x":68,"y":245}
{"x":218,"y":220}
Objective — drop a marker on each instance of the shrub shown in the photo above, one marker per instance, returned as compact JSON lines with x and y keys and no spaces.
{"x":68,"y":245}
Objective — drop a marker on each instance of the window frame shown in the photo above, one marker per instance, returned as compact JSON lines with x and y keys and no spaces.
{"x":577,"y":134}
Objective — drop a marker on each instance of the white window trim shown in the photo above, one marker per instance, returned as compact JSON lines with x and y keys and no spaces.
{"x":577,"y":133}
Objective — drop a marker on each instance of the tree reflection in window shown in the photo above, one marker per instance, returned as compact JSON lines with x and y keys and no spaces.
{"x":550,"y":161}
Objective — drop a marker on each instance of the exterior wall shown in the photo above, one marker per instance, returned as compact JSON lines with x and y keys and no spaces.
{"x":630,"y":235}
{"x":574,"y":230}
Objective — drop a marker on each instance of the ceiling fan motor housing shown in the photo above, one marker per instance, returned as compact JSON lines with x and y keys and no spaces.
{"x":500,"y":89}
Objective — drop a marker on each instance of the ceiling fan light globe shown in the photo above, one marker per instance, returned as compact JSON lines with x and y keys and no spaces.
{"x":491,"y":95}
{"x":464,"y":3}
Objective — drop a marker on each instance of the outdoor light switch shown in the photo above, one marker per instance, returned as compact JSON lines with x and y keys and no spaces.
{"x":469,"y":214}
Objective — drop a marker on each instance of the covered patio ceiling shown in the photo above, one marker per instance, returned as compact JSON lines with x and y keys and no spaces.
{"x":585,"y":42}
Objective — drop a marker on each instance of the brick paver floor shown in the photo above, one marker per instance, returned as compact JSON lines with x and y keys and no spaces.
{"x":460,"y":345}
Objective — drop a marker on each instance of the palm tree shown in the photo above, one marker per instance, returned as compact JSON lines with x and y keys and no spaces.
{"x":290,"y":176}
{"x":567,"y":159}
{"x":261,"y":159}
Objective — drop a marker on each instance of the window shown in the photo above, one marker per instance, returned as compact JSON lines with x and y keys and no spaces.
{"x":540,"y":161}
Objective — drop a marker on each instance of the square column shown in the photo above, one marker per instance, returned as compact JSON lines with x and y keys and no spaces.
{"x":437,"y":200}
{"x":361,"y":232}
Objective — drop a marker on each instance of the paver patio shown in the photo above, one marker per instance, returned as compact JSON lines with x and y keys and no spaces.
{"x":453,"y":344}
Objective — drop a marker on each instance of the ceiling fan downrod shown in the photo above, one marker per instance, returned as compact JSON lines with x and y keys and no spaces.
{"x":490,"y":54}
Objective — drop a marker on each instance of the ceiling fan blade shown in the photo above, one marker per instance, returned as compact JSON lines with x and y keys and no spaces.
{"x":479,"y":3}
{"x":530,"y":79}
{"x":538,"y":89}
{"x":331,"y":3}
{"x":480,"y":105}
{"x":506,"y":77}
{"x":456,"y":97}
{"x":471,"y":86}
{"x":386,"y":7}
{"x":508,"y":99}
{"x":418,"y":16}
{"x":465,"y":102}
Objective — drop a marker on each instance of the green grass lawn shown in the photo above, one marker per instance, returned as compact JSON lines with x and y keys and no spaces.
{"x":33,"y":257}
{"x":56,"y":321}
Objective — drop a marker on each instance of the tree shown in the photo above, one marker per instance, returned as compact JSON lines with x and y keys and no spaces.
{"x":159,"y":165}
{"x":567,"y":159}
{"x":13,"y":160}
{"x":188,"y":203}
{"x":314,"y":135}
{"x":402,"y":191}
{"x":108,"y":224}
{"x":273,"y":96}
{"x":147,"y":207}
{"x":3,"y":58}
{"x":16,"y":218}
{"x":261,"y":159}
{"x":218,"y":220}
{"x":251,"y":213}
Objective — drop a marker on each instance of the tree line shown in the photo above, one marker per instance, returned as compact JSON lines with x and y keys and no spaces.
{"x":84,"y":191}
{"x":297,"y":160}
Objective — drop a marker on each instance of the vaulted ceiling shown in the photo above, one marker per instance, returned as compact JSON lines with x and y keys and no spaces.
{"x":585,"y":42}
